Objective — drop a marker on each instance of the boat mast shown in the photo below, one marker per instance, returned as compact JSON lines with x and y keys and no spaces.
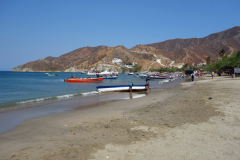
{"x":74,"y":70}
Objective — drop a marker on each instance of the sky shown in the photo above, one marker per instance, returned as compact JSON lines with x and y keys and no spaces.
{"x":32,"y":30}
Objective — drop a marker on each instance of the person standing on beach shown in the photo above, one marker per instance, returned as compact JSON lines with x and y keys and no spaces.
{"x":130,"y":87}
{"x":192,"y":76}
{"x":147,"y":85}
{"x":212,"y":74}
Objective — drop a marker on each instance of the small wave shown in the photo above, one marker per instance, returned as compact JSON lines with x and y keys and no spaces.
{"x":35,"y":100}
{"x":66,"y":96}
{"x":90,"y":93}
{"x":56,"y":97}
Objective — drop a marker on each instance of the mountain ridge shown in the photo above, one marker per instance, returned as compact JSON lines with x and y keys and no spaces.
{"x":174,"y":51}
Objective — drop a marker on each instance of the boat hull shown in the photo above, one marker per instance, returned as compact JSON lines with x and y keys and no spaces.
{"x":83,"y":80}
{"x":51,"y":74}
{"x":121,"y":88}
{"x":113,"y":77}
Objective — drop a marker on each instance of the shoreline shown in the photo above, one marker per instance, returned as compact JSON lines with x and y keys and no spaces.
{"x":11,"y":119}
{"x":180,"y":121}
{"x":13,"y":116}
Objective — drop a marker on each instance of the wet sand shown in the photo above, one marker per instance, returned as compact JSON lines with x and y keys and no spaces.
{"x":192,"y":120}
{"x":10,"y":118}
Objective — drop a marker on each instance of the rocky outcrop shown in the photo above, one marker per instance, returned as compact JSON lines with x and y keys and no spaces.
{"x":194,"y":50}
{"x":20,"y":69}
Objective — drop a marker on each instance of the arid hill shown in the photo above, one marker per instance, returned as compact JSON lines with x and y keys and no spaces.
{"x":156,"y":55}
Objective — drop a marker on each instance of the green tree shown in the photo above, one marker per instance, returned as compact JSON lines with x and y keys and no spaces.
{"x":222,"y":53}
{"x":226,"y":63}
{"x":136,"y":68}
{"x":185,"y":66}
{"x":208,"y":60}
{"x":124,"y":69}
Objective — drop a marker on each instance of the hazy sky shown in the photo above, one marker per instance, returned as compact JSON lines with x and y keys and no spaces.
{"x":34,"y":29}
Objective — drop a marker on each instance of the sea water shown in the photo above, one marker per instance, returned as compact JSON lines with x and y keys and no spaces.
{"x":52,"y":95}
{"x":31,"y":88}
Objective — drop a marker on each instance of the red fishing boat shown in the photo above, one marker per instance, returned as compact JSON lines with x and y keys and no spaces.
{"x":73,"y":79}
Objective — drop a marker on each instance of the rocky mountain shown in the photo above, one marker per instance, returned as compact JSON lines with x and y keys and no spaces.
{"x":156,"y":55}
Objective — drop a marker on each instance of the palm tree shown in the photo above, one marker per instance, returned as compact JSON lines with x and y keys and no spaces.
{"x":208,"y":59}
{"x":222,"y":53}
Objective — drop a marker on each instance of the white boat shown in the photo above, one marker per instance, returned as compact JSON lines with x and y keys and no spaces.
{"x":121,"y":88}
{"x":143,"y":75}
{"x":102,"y":73}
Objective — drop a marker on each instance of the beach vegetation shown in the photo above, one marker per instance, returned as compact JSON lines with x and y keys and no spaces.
{"x":208,"y":60}
{"x":227,"y":63}
{"x":185,"y":66}
{"x":136,"y":68}
{"x":128,"y":63}
{"x":124,"y":69}
{"x":51,"y":69}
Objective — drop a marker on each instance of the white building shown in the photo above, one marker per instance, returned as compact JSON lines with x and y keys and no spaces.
{"x":126,"y":66}
{"x":202,"y":64}
{"x":117,"y":61}
{"x":134,"y":63}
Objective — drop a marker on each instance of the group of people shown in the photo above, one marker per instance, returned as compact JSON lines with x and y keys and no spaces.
{"x":147,"y":86}
{"x":192,"y":75}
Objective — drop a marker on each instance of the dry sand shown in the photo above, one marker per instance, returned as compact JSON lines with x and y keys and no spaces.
{"x":193,"y":120}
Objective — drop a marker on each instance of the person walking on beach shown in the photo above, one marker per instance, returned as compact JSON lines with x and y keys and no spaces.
{"x":147,"y":85}
{"x":130,"y":87}
{"x":192,"y":76}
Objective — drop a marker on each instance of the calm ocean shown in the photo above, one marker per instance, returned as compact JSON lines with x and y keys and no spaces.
{"x":31,"y":88}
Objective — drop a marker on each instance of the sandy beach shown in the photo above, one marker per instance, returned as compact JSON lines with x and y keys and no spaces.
{"x":192,"y":120}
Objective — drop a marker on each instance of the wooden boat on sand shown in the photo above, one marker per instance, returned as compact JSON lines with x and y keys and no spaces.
{"x":121,"y":88}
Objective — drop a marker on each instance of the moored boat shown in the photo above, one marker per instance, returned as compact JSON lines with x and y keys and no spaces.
{"x":51,"y":74}
{"x":110,"y":77}
{"x":73,"y":79}
{"x":101,"y":73}
{"x":121,"y":88}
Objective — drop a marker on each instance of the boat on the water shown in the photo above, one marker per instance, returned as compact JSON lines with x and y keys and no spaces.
{"x":73,"y":79}
{"x":51,"y":74}
{"x":101,"y":73}
{"x":143,"y":75}
{"x":110,"y":77}
{"x":158,"y":77}
{"x":121,"y":88}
